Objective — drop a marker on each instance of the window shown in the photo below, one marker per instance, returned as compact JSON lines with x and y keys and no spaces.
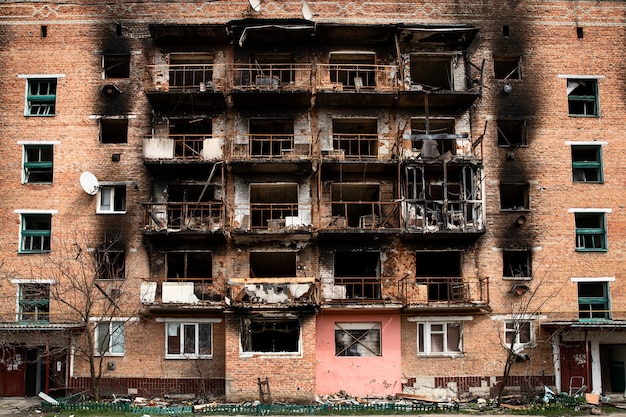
{"x":440,"y":338}
{"x":116,"y":66}
{"x":507,"y":67}
{"x":112,"y":199}
{"x":41,"y":95}
{"x":432,"y":72}
{"x":270,"y":335}
{"x":590,"y":232}
{"x":518,"y":334}
{"x":587,"y":163}
{"x":358,"y":339}
{"x":582,"y":97}
{"x":593,"y":300}
{"x":37,"y":164}
{"x":35,"y":234}
{"x":441,"y":272}
{"x":516,"y":263}
{"x":272,"y":204}
{"x":110,"y":338}
{"x":113,"y":130}
{"x":111,"y":264}
{"x":188,"y":340}
{"x":514,"y":197}
{"x":34,"y":302}
{"x":359,"y":274}
{"x":511,"y":133}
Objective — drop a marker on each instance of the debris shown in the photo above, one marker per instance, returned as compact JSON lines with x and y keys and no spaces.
{"x":47,"y":398}
{"x":513,"y":407}
{"x":592,"y":398}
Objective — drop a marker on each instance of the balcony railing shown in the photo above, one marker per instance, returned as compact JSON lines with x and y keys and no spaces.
{"x":270,"y":146}
{"x":271,"y":77}
{"x":273,"y":217}
{"x":432,"y":146}
{"x":356,"y":77}
{"x":363,"y":215}
{"x":444,"y":290}
{"x":358,"y":290}
{"x":175,"y":217}
{"x":281,"y":290}
{"x":187,"y":291}
{"x":183,"y":147}
{"x":433,"y":216}
{"x":177,"y":78}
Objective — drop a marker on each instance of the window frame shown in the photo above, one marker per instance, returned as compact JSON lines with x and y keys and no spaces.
{"x":513,"y":326}
{"x":122,"y":59}
{"x":41,"y":302}
{"x":584,"y":166}
{"x":586,"y":99}
{"x":41,"y":101}
{"x":181,"y":325}
{"x":512,"y":191}
{"x":111,"y":335}
{"x":246,"y":343}
{"x":44,"y":235}
{"x":528,"y":265}
{"x":114,"y":189}
{"x":604,"y":301}
{"x":104,"y":266}
{"x":43,"y":167}
{"x":425,"y":333}
{"x":366,"y":327}
{"x":105,"y":139}
{"x":497,"y":63}
{"x":511,"y":126}
{"x":581,"y":232}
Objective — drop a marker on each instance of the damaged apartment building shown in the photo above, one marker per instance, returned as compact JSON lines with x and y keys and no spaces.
{"x":310,"y":198}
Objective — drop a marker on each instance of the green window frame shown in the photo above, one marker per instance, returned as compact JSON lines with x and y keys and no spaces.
{"x":591,"y":232}
{"x":34,"y":302}
{"x":587,"y":164}
{"x":41,"y":95}
{"x":38,"y":164}
{"x":593,"y":301}
{"x":36,"y":233}
{"x":582,"y":97}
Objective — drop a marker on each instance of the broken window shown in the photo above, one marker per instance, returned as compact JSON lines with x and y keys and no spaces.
{"x":272,"y":264}
{"x":270,"y":335}
{"x":111,"y":264}
{"x":34,"y":302}
{"x":188,"y":135}
{"x":35,"y":233}
{"x":582,"y":97}
{"x":358,"y":339}
{"x":514,"y":197}
{"x":190,"y":70}
{"x":593,"y":300}
{"x":355,"y":204}
{"x":587,"y":163}
{"x":196,"y":265}
{"x":433,"y":137}
{"x":110,"y":338}
{"x":38,"y":164}
{"x":273,"y":205}
{"x":188,"y":340}
{"x":359,"y":274}
{"x":271,"y":137}
{"x":116,"y":66}
{"x":440,"y":271}
{"x":518,"y":334}
{"x":41,"y":95}
{"x":440,"y":338}
{"x":354,"y":70}
{"x":516,"y":263}
{"x":432,"y":72}
{"x":356,"y":137}
{"x":590,"y":231}
{"x":113,"y":130}
{"x":507,"y":67}
{"x":511,"y":133}
{"x":111,"y":199}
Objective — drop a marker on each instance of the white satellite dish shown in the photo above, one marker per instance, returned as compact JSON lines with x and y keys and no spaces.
{"x":255,"y":4}
{"x":89,"y":182}
{"x":306,"y":11}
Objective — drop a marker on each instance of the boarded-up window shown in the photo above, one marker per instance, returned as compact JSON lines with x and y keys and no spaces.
{"x":358,"y":339}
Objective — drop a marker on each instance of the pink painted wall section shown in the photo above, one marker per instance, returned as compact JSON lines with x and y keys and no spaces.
{"x":358,"y":375}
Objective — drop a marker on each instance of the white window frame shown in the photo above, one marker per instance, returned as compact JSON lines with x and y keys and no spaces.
{"x":429,"y":332}
{"x":114,"y":337}
{"x":512,"y":325}
{"x":112,"y":187}
{"x":196,"y":354}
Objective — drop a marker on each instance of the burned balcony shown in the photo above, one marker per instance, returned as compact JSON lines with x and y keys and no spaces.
{"x":193,"y":86}
{"x":457,"y":294}
{"x":183,"y":217}
{"x":181,"y":294}
{"x":436,"y":139}
{"x":182,"y":148}
{"x":443,"y":198}
{"x":357,"y":139}
{"x":271,"y":83}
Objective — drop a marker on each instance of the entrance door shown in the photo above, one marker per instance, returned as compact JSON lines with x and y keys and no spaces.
{"x":12,"y":372}
{"x":573,"y":359}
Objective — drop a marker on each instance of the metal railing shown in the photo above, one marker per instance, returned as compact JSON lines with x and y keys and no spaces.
{"x":271,"y":76}
{"x":198,"y":217}
{"x":446,"y":290}
{"x":184,"y":77}
{"x":355,"y":77}
{"x":271,"y":146}
{"x":435,"y":216}
{"x":364,"y":215}
{"x":272,"y":217}
{"x":282,"y":290}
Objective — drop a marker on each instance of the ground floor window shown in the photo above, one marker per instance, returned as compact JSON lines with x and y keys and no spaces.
{"x":357,"y":339}
{"x":110,"y":338}
{"x":270,"y":335}
{"x":443,"y":338}
{"x":188,"y":340}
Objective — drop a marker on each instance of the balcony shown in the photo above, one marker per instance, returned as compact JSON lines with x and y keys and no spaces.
{"x":188,"y":294}
{"x":355,"y":84}
{"x":186,"y":87}
{"x":272,"y":292}
{"x":359,"y":217}
{"x":452,"y":216}
{"x":358,"y":292}
{"x":283,"y":85}
{"x":183,"y":218}
{"x":278,"y":152}
{"x":428,"y":294}
{"x":182,"y":148}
